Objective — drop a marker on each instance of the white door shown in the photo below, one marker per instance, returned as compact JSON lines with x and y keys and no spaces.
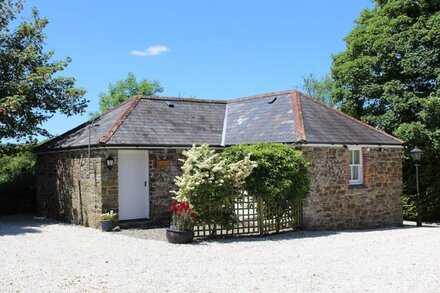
{"x":133,"y":184}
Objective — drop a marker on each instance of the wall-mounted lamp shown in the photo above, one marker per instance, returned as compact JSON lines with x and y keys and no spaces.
{"x":109,"y":162}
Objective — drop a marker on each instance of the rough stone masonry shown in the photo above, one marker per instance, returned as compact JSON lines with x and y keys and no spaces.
{"x":75,"y":189}
{"x":334,"y":204}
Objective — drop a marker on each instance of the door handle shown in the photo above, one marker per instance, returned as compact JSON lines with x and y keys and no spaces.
{"x":145,"y":183}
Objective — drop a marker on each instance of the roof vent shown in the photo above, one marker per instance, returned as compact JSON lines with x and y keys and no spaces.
{"x":169,"y":104}
{"x":273,"y":101}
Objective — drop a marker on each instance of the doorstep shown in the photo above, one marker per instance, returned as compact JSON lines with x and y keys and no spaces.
{"x":136,"y":224}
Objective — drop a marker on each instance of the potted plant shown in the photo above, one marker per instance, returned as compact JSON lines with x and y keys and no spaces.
{"x":108,"y":221}
{"x":181,"y":229}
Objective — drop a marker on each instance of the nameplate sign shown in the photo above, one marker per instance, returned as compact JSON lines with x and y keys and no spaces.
{"x":163,"y":164}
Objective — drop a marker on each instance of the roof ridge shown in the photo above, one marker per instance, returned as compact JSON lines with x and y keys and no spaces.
{"x":259,"y":96}
{"x":111,"y":109}
{"x":349,"y":117}
{"x":61,"y":136}
{"x":183,"y":99}
{"x":225,"y":124}
{"x":91,"y":120}
{"x":298,"y":118}
{"x":115,"y":126}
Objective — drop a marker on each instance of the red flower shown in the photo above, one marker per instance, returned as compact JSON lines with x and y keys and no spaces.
{"x":180,"y":209}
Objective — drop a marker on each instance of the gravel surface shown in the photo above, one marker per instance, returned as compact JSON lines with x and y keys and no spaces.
{"x":149,"y":234}
{"x":40,"y":255}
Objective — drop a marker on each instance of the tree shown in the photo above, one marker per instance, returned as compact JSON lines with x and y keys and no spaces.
{"x":31,"y":90}
{"x":389,"y":77}
{"x":17,"y":178}
{"x":320,"y":89}
{"x":123,"y":90}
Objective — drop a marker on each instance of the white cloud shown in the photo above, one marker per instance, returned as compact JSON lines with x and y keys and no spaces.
{"x":151,"y":51}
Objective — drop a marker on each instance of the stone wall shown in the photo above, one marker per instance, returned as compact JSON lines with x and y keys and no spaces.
{"x":162,"y":182}
{"x":334,"y":204}
{"x":69,"y":186}
{"x":109,"y":183}
{"x":64,"y":176}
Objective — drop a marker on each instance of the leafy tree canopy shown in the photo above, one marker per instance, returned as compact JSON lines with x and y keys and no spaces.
{"x":319,"y":89}
{"x":389,"y":76}
{"x":123,"y":90}
{"x":31,"y":90}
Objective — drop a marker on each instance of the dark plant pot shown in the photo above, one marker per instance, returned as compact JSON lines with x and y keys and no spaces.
{"x":107,"y":225}
{"x":180,"y":237}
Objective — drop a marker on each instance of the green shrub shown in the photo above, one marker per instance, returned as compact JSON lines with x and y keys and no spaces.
{"x":211,"y":185}
{"x":17,"y":178}
{"x":430,"y":206}
{"x":280,"y":178}
{"x":409,"y":208}
{"x":430,"y":199}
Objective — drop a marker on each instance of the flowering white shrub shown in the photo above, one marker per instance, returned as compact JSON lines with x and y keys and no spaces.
{"x":210,"y":184}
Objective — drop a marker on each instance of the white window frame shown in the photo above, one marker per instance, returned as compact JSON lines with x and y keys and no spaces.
{"x":360,"y":166}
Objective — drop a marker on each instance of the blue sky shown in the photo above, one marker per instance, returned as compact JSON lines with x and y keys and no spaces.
{"x":203,"y":49}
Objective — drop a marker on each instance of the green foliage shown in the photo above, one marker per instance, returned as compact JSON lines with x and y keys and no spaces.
{"x":110,"y":216}
{"x":319,"y":89}
{"x":17,"y":168}
{"x":389,"y":77}
{"x":210,"y":184}
{"x":391,"y":66}
{"x":280,"y":178}
{"x":17,"y":178}
{"x":123,"y":90}
{"x":31,"y":89}
{"x":409,"y":208}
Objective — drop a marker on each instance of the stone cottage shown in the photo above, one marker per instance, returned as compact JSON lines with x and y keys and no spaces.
{"x":127,"y":158}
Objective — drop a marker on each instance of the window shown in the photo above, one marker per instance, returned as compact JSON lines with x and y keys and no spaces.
{"x":355,"y":166}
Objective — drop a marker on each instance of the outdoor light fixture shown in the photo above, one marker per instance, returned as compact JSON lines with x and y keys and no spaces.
{"x":416,"y":155}
{"x":110,"y":161}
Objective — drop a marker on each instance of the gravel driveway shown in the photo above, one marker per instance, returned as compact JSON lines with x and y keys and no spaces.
{"x":39,"y":255}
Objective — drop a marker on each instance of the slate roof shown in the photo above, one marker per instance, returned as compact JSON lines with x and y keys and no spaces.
{"x":288,"y":116}
{"x":265,"y":118}
{"x":154,"y":122}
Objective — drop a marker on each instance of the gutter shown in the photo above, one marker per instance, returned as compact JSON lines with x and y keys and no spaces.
{"x":384,"y":146}
{"x":132,"y":147}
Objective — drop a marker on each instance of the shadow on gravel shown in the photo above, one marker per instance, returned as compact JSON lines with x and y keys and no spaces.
{"x":309,"y":234}
{"x":410,"y":224}
{"x":273,"y":237}
{"x":22,"y":224}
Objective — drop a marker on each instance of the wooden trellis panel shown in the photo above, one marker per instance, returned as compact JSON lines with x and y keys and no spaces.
{"x":253,"y":218}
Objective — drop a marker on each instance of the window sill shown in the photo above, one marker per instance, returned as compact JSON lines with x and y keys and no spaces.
{"x":357,"y":186}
